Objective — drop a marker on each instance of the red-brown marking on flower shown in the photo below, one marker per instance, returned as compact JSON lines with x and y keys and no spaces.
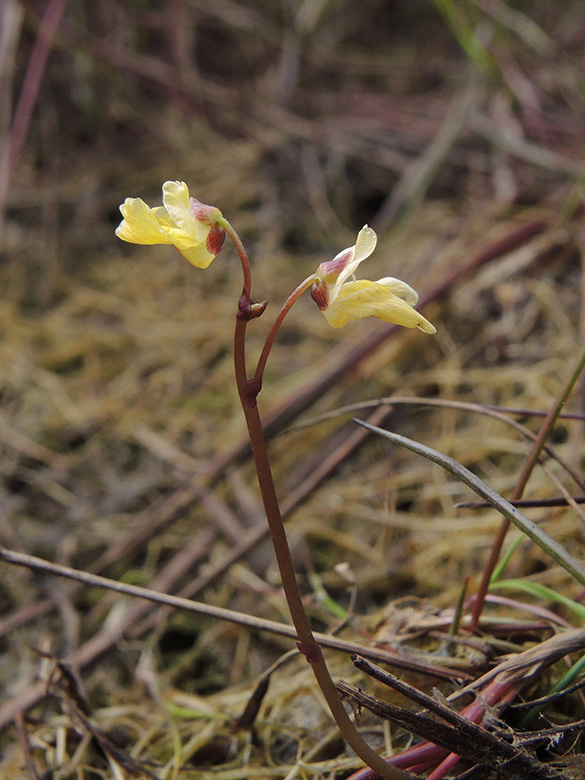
{"x":202,"y":212}
{"x":215,"y":240}
{"x":335,"y":267}
{"x":320,"y":294}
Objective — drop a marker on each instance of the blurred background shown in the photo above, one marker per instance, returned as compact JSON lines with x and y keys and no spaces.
{"x":455,"y":129}
{"x":303,"y":118}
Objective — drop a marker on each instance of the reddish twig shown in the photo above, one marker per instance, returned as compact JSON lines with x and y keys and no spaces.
{"x":29,"y":93}
{"x":493,"y":692}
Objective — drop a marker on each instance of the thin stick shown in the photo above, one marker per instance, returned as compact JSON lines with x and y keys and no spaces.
{"x":518,"y":491}
{"x":510,"y":512}
{"x":307,"y":642}
{"x":399,"y":660}
{"x":292,"y":299}
{"x":29,"y":93}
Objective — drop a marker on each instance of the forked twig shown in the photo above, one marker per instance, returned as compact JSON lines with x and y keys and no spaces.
{"x":494,"y":691}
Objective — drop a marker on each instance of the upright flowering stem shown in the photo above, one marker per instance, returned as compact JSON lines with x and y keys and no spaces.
{"x":198,"y":231}
{"x":248,"y":390}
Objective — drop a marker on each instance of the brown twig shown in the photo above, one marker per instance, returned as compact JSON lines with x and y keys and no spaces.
{"x":464,"y":738}
{"x":29,"y":93}
{"x":495,"y":689}
{"x":25,"y":747}
{"x":530,"y":463}
{"x":101,"y":642}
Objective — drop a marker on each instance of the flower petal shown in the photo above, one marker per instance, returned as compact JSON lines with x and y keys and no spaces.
{"x":141,"y":224}
{"x":197,"y":254}
{"x":362,"y":298}
{"x":364,"y":246}
{"x":400,"y":289}
{"x":188,"y":234}
{"x":192,"y":227}
{"x":176,"y":202}
{"x":330,"y":269}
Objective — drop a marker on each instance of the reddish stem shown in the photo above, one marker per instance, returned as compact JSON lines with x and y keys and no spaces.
{"x":531,"y":461}
{"x":29,"y":92}
{"x":248,"y":390}
{"x":292,"y":299}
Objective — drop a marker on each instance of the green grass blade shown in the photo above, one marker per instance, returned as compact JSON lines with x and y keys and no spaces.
{"x":530,"y":529}
{"x":542,"y":592}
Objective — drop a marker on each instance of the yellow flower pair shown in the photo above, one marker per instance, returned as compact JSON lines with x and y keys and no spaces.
{"x":197,"y":231}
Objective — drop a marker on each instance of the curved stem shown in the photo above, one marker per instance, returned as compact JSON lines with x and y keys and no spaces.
{"x":307,"y":643}
{"x":247,"y":291}
{"x":290,"y":301}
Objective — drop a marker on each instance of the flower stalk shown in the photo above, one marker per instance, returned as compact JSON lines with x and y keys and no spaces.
{"x":197,"y":231}
{"x":248,"y":390}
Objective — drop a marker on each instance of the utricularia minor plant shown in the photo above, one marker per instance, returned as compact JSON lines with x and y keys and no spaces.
{"x":198,"y":232}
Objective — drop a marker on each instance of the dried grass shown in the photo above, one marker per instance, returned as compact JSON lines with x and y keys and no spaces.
{"x":116,"y":374}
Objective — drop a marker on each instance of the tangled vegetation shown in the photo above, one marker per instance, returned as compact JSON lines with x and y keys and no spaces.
{"x":143,"y":626}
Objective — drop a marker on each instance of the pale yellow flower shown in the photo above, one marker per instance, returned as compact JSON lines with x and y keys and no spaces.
{"x":192,"y":227}
{"x":342,"y":298}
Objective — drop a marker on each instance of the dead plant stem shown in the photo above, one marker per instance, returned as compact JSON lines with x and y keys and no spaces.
{"x":29,"y":93}
{"x":530,"y":463}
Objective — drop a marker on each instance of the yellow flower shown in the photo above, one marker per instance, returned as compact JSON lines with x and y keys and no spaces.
{"x":192,"y":227}
{"x":343,"y":299}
